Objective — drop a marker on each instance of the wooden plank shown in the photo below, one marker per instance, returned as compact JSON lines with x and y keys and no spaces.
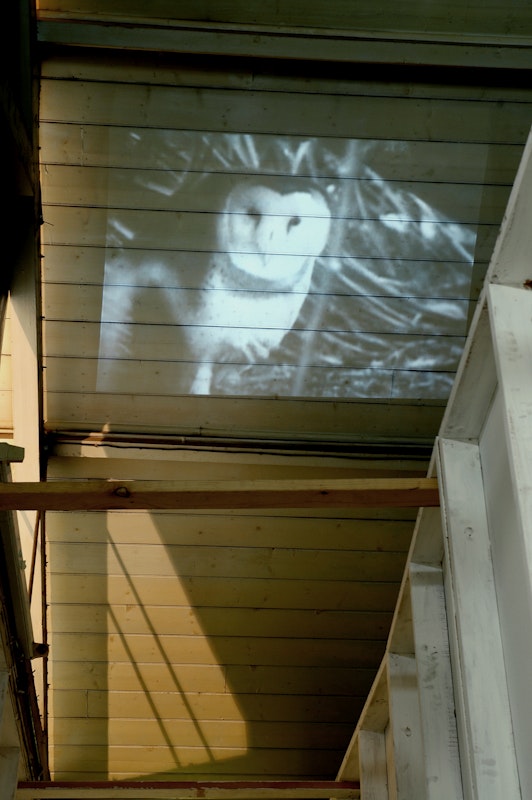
{"x":510,"y":263}
{"x":203,"y":108}
{"x":197,"y":39}
{"x":183,"y":790}
{"x":195,"y":732}
{"x":356,"y":378}
{"x":374,"y":717}
{"x":211,"y":416}
{"x":490,"y":20}
{"x":401,"y":638}
{"x":319,"y":380}
{"x":138,"y":456}
{"x":143,"y":648}
{"x":407,"y":736}
{"x":224,"y":561}
{"x":74,"y":339}
{"x":342,"y":595}
{"x":135,"y":619}
{"x":475,"y":382}
{"x":463,"y":162}
{"x":156,"y":189}
{"x":506,"y":445}
{"x":94,"y":66}
{"x":79,"y":265}
{"x":85,"y":703}
{"x":427,"y":539}
{"x":71,"y":302}
{"x":233,"y":679}
{"x":122,"y":763}
{"x":486,"y":742}
{"x":435,"y":685}
{"x":390,"y":762}
{"x":233,"y":530}
{"x":190,"y":232}
{"x":72,"y":495}
{"x":373,"y":766}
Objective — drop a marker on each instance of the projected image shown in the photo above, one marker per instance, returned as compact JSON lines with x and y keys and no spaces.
{"x":270,"y":266}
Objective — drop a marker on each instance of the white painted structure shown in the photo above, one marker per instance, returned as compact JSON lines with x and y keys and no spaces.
{"x":450,"y":714}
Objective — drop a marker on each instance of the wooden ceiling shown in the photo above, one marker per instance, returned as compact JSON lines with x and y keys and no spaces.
{"x":242,"y":643}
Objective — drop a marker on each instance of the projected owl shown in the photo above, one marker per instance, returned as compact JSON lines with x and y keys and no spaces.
{"x":257,"y":281}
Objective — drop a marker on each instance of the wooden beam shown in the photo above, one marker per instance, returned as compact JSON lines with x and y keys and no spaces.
{"x":114,"y":494}
{"x":193,"y":36}
{"x":183,"y":790}
{"x":484,"y":720}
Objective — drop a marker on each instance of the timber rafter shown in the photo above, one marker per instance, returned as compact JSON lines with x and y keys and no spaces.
{"x":177,"y":495}
{"x":185,"y":790}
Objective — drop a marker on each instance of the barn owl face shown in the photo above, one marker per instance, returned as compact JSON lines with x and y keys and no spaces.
{"x":271,"y":235}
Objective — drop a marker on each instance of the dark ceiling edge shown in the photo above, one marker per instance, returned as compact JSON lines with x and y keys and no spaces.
{"x":353,"y":449}
{"x":193,"y":37}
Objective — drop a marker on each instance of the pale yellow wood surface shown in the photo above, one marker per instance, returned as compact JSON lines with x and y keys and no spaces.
{"x":274,"y":707}
{"x":273,"y":621}
{"x":123,"y":763}
{"x":250,"y":528}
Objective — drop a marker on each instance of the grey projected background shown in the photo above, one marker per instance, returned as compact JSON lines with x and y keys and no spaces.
{"x":285,"y":266}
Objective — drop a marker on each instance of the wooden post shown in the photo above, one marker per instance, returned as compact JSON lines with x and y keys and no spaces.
{"x":487,"y":750}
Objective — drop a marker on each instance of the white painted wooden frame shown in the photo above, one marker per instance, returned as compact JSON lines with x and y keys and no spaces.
{"x":465,"y":606}
{"x":485,"y":461}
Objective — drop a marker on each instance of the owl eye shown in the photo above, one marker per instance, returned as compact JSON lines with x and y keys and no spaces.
{"x":254,"y":214}
{"x":293,"y":222}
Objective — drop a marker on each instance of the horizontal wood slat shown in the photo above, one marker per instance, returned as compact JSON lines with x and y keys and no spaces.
{"x":252,"y":592}
{"x":222,"y":561}
{"x":84,"y":266}
{"x":185,"y":790}
{"x":208,"y":109}
{"x":98,"y":495}
{"x":217,"y":732}
{"x":74,"y":703}
{"x":448,"y":17}
{"x":119,"y":189}
{"x":167,"y":528}
{"x":216,"y":621}
{"x":193,"y":678}
{"x":461,"y":162}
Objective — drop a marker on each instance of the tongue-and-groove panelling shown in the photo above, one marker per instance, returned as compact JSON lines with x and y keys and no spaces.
{"x":136,"y":162}
{"x":219,"y":644}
